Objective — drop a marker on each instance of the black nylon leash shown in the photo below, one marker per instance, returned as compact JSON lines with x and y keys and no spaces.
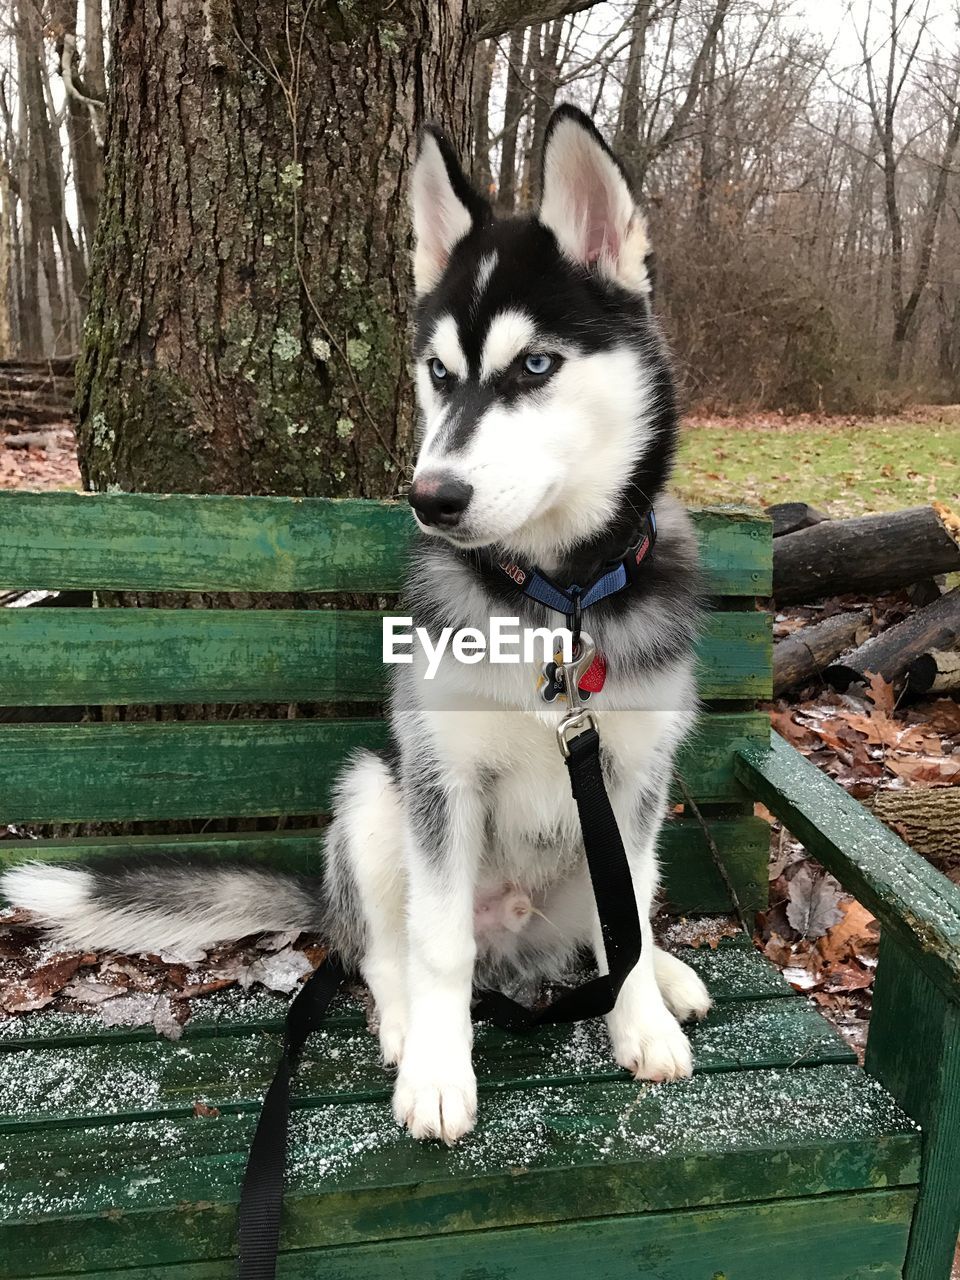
{"x":616,"y":905}
{"x":261,"y":1195}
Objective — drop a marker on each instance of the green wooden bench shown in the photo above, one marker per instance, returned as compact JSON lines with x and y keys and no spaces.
{"x":781,"y":1157}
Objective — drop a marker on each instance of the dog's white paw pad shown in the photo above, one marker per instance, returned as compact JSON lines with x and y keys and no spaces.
{"x":656,"y":1051}
{"x":436,"y":1109}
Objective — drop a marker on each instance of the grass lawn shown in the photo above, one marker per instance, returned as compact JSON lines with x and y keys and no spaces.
{"x":845,"y":466}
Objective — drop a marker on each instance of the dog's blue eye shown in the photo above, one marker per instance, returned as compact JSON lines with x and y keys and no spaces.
{"x":438,"y":369}
{"x":538,"y":364}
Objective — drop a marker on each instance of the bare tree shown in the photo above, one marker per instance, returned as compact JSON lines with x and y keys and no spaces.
{"x":807,"y":248}
{"x":85,"y":91}
{"x":885,"y":91}
{"x":545,"y":58}
{"x":514,"y":108}
{"x":486,"y":61}
{"x":651,"y":122}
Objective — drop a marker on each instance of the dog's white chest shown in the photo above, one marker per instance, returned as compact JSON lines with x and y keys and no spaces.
{"x":533,"y":826}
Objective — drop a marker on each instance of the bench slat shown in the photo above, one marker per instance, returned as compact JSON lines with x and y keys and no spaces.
{"x":170,"y":542}
{"x":833,"y":1236}
{"x":67,"y":657}
{"x":164,"y":1190}
{"x":691,"y":881}
{"x":107,"y":1081}
{"x":186,"y":769}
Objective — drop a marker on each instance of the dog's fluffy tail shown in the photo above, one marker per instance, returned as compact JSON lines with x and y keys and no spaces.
{"x":161,"y":906}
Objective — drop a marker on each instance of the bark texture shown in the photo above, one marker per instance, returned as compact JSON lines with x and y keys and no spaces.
{"x":804,"y":655}
{"x":250,"y":282}
{"x":867,"y":554}
{"x":936,"y":626}
{"x":928,"y":818}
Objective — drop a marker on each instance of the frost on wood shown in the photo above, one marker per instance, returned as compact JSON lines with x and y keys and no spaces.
{"x":357,"y":1145}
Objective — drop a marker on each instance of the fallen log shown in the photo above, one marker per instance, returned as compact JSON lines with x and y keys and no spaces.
{"x":788,"y":517}
{"x":31,"y":410}
{"x":928,"y":818}
{"x":935,"y":672}
{"x":867,"y":555}
{"x":936,"y":626}
{"x":803,"y":655}
{"x":31,"y":440}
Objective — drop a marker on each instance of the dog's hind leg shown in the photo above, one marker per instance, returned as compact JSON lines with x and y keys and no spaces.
{"x":366,"y":890}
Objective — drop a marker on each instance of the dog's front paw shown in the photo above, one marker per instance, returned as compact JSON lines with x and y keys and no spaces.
{"x":651,"y":1046}
{"x":435,"y":1100}
{"x":683,"y":993}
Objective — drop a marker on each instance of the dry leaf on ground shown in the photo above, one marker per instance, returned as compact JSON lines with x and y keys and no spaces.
{"x":813,"y":904}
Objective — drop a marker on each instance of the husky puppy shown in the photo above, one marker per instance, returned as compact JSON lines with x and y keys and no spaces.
{"x":455,"y":859}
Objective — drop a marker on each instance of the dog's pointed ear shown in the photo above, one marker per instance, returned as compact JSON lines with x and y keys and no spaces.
{"x":445,"y":208}
{"x":587,"y":202}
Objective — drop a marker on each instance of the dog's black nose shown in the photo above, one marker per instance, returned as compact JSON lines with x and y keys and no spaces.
{"x":440,"y":499}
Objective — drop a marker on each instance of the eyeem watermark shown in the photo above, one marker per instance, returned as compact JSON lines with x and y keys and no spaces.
{"x":506,"y":641}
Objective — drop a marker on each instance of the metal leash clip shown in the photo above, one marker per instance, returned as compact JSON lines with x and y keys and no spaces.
{"x":578,"y":718}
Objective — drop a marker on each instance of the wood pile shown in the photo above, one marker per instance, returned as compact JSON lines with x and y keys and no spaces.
{"x":916,"y":552}
{"x":34,"y":394}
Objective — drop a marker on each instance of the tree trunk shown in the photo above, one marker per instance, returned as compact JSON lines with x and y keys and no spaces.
{"x":486,"y":61}
{"x":864,"y":555}
{"x":82,"y":92}
{"x":512,"y":113}
{"x":94,"y":64}
{"x":6,"y":272}
{"x":42,"y":193}
{"x":31,"y":338}
{"x":544,"y":62}
{"x":630,"y":110}
{"x":937,"y":626}
{"x":246,"y":329}
{"x":898,"y":344}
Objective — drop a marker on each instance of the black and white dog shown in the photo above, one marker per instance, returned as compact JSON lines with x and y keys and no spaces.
{"x":548,"y":433}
